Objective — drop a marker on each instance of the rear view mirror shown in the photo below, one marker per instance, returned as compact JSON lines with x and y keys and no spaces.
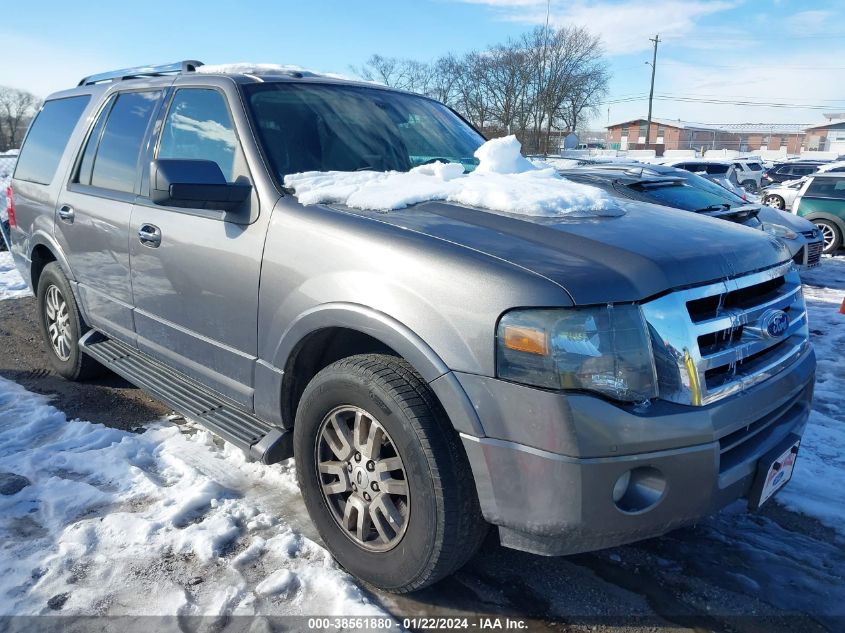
{"x":194,"y":184}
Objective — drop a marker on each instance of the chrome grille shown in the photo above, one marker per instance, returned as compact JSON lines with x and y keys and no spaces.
{"x":712,"y":341}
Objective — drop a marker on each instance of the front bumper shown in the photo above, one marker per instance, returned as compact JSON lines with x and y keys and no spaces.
{"x":546,"y":469}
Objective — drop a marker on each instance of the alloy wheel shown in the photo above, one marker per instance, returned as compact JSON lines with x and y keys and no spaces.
{"x":57,"y":319}
{"x":362,"y":478}
{"x":828,"y":235}
{"x":774,"y":201}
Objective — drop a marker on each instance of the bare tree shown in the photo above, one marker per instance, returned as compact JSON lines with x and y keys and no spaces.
{"x":17,"y":108}
{"x":543,"y":83}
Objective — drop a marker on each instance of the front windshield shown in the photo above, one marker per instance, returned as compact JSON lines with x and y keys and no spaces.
{"x":329,"y":127}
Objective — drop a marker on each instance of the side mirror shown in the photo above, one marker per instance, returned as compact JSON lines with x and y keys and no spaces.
{"x":194,"y":184}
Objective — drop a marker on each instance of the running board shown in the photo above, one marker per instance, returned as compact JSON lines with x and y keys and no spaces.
{"x":262,"y":441}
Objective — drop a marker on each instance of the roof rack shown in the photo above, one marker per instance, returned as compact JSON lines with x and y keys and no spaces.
{"x":187,"y":66}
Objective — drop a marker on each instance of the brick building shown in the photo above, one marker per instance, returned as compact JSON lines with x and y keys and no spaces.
{"x":669,"y":134}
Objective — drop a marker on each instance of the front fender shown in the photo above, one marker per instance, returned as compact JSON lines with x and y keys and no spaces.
{"x":385,"y":329}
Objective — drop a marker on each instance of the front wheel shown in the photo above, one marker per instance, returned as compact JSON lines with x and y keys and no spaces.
{"x":831,"y":234}
{"x":774,"y":201}
{"x":62,"y":326}
{"x":383,"y":475}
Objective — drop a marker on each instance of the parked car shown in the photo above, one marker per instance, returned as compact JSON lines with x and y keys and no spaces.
{"x":791,"y":170}
{"x":577,"y":382}
{"x":681,"y":189}
{"x":749,"y":174}
{"x":781,"y":195}
{"x":721,"y":172}
{"x":821,"y":200}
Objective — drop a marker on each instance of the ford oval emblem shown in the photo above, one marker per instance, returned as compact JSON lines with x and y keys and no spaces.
{"x":774,"y":323}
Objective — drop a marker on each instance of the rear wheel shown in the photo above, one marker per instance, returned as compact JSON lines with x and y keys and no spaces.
{"x":831,"y":234}
{"x":775,"y":201}
{"x":383,"y":474}
{"x":62,"y":326}
{"x":750,"y":186}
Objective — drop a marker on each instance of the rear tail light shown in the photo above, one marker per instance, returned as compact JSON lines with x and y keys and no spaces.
{"x":10,"y":208}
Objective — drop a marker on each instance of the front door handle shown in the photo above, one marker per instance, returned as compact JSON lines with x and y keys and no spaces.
{"x":150,"y":235}
{"x":66,"y":213}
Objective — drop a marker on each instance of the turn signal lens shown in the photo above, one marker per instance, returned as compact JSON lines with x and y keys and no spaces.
{"x":525,"y":339}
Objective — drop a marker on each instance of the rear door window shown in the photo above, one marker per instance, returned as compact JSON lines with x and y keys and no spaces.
{"x":83,"y":174}
{"x":116,"y":161}
{"x":802,"y":170}
{"x":46,"y":140}
{"x":755,"y":166}
{"x":199,"y":125}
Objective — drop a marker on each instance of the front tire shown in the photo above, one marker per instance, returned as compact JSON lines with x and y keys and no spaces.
{"x":383,"y":474}
{"x":62,"y":326}
{"x":831,"y":234}
{"x":775,"y":201}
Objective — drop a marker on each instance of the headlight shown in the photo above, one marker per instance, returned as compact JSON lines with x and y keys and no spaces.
{"x":605,"y":349}
{"x":779,"y":230}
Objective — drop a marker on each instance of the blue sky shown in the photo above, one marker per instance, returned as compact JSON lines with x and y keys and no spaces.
{"x":753,"y":50}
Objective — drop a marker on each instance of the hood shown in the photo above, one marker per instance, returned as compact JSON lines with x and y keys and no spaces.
{"x":785,"y":218}
{"x":646,"y":251}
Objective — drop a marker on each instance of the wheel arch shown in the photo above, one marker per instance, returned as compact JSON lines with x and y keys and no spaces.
{"x":830,"y":217}
{"x":328,"y":332}
{"x":43,"y":250}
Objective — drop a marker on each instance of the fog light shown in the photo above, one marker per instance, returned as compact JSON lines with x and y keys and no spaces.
{"x":621,"y":486}
{"x":639,"y":489}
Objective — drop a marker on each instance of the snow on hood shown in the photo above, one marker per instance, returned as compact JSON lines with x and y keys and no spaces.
{"x":249,"y":68}
{"x":504,"y":181}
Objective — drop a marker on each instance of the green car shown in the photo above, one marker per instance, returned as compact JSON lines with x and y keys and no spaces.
{"x":822,"y":201}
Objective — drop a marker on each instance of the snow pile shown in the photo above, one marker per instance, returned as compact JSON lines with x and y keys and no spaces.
{"x":819,"y":479}
{"x":12,"y":285}
{"x":249,"y":68}
{"x":165,"y":522}
{"x":504,"y":181}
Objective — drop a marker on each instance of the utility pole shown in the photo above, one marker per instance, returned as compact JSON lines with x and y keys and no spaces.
{"x":656,"y":40}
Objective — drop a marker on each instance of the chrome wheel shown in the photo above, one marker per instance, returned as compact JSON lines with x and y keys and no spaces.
{"x":362,"y":478}
{"x":57,"y":319}
{"x":775,"y":202}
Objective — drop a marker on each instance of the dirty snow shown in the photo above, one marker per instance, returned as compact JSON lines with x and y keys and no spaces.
{"x":504,"y":181}
{"x":12,"y":285}
{"x":163,"y":522}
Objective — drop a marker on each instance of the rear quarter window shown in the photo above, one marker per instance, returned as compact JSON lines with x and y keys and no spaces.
{"x":47,"y":138}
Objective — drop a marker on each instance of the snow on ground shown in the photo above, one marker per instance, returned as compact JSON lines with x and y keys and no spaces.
{"x":162,"y":522}
{"x":11,"y":283}
{"x":504,"y":181}
{"x":817,"y":485}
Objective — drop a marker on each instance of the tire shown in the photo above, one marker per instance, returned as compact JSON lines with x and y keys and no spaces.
{"x":832,"y":236}
{"x":439,"y":524}
{"x":750,"y":186}
{"x":56,"y":297}
{"x":775,"y":201}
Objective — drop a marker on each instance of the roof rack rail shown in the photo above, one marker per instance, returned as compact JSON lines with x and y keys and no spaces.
{"x":186,"y":66}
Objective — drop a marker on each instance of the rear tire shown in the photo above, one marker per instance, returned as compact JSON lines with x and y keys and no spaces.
{"x":438,"y":524}
{"x":831,"y":234}
{"x":62,"y":326}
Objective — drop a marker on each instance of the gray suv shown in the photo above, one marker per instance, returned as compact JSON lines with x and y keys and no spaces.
{"x":577,"y":382}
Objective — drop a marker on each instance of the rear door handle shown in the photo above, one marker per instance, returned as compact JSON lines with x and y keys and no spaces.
{"x":149,"y":235}
{"x":66,"y":213}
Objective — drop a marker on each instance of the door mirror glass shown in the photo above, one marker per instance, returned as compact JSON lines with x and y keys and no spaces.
{"x":195,"y":184}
